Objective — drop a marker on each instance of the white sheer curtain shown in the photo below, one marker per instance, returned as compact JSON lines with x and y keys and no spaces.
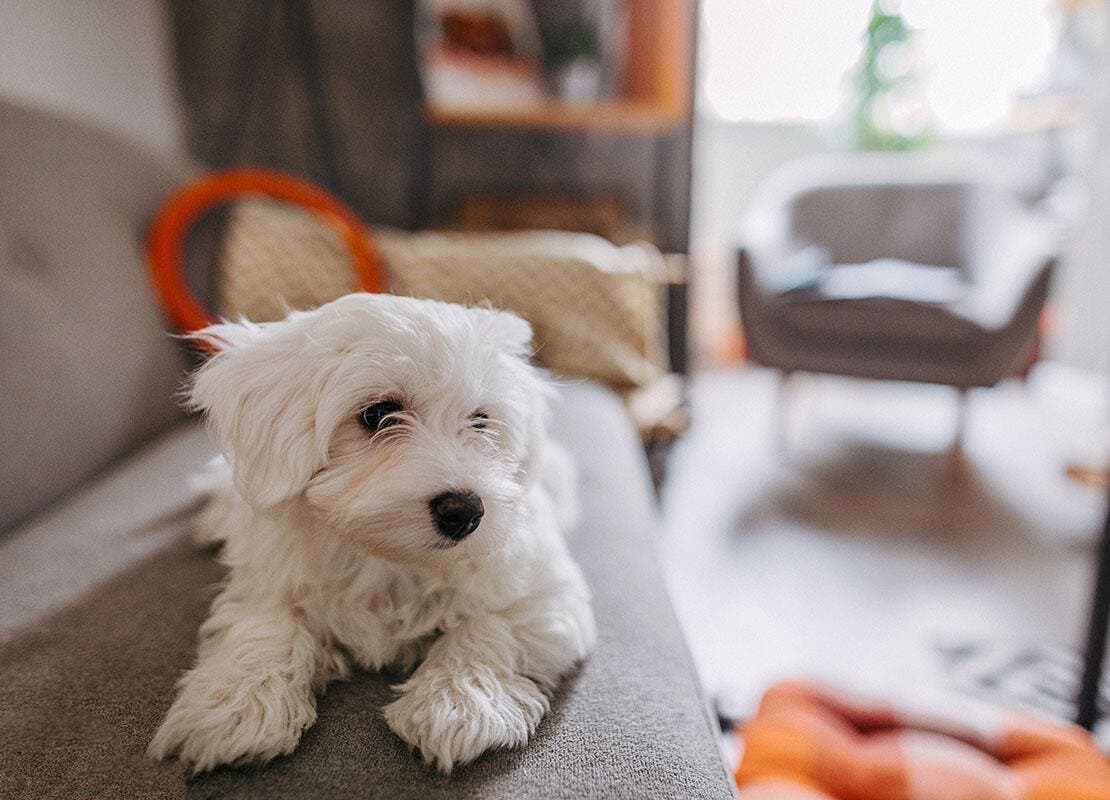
{"x":787,"y":60}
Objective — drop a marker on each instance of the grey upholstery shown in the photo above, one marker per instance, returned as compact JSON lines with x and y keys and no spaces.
{"x":893,"y":267}
{"x":86,"y":680}
{"x":101,"y":593}
{"x":86,"y":371}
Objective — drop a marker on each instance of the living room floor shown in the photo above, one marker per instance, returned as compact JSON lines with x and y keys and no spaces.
{"x":866,"y":552}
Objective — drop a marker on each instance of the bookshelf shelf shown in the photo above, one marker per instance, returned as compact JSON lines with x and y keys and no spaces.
{"x":654,"y":96}
{"x":611,"y":115}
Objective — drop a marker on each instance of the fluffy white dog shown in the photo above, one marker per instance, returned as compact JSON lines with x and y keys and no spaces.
{"x":395,"y":500}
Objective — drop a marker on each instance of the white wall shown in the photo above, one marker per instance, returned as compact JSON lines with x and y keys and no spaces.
{"x":105,"y":59}
{"x":730,"y":159}
{"x":1083,"y":284}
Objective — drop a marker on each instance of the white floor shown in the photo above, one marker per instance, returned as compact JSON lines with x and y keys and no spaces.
{"x":853,"y":554}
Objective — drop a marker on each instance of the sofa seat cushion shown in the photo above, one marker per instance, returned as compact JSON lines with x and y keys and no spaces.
{"x":895,"y":302}
{"x":133,"y":510}
{"x":87,"y":680}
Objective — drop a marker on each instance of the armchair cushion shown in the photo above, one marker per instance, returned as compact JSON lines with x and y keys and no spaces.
{"x":895,"y":302}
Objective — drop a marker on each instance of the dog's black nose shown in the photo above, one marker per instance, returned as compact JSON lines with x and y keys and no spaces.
{"x":457,"y":514}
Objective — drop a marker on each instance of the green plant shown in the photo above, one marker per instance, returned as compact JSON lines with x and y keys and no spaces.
{"x":889,"y":110}
{"x":575,"y":40}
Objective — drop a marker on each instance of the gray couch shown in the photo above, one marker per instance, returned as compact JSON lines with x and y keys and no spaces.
{"x":101,"y":591}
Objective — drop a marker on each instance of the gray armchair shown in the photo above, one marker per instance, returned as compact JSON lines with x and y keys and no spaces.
{"x":893,"y":267}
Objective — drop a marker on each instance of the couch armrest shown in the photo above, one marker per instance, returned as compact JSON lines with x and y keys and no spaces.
{"x":1011,"y":272}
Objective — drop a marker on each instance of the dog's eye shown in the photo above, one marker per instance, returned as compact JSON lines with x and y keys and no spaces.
{"x":378,"y":415}
{"x":479,"y":420}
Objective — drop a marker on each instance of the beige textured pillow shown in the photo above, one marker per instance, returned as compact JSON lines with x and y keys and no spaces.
{"x":595,"y":309}
{"x":276,"y":257}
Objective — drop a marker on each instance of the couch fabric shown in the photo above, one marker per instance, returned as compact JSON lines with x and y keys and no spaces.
{"x":85,"y":369}
{"x":101,"y":593}
{"x":85,"y":683}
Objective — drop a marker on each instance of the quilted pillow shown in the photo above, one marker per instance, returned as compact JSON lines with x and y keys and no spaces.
{"x":595,"y":308}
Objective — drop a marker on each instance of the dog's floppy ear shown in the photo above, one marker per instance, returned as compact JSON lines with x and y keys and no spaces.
{"x":511,"y":331}
{"x":258,"y":392}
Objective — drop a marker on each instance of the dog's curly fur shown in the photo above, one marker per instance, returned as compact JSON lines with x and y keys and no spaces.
{"x":334,"y":558}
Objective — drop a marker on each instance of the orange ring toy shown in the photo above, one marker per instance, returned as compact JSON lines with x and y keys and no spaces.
{"x":168,"y":231}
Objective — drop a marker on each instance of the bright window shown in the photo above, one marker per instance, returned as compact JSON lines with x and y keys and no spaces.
{"x":788,"y":60}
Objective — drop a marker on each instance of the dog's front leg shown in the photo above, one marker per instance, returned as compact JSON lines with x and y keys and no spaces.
{"x":250,"y":696}
{"x":485,"y":683}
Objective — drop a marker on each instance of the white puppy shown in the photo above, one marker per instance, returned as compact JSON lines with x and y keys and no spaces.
{"x":396,"y":500}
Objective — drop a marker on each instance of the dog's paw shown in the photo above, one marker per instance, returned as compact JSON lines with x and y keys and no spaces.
{"x":216,"y":722}
{"x":453,"y":719}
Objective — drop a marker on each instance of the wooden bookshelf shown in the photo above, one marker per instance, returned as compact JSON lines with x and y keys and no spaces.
{"x":655,"y":92}
{"x":611,"y":115}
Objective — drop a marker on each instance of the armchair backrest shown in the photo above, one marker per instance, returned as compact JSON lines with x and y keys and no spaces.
{"x":921,"y":222}
{"x":857,"y":207}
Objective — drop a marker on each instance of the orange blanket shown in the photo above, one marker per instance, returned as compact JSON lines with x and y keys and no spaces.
{"x":808,"y":742}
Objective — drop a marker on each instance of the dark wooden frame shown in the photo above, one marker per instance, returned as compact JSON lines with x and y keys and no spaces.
{"x":1094,"y":654}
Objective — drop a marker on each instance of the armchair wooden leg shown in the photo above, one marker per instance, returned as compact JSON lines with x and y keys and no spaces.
{"x":781,"y":413}
{"x":1095,"y":651}
{"x":963,"y":402}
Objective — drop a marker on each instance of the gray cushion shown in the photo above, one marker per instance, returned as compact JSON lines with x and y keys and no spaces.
{"x":130,"y":512}
{"x":85,"y":370}
{"x":85,"y":687}
{"x":897,"y":303}
{"x":923,"y":223}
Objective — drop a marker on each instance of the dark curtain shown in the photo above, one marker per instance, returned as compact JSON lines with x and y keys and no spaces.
{"x":394,"y":171}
